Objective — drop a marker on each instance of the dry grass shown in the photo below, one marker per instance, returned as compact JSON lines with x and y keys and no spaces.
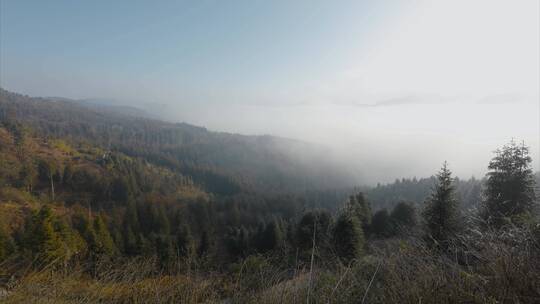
{"x":487,"y":267}
{"x":135,"y":282}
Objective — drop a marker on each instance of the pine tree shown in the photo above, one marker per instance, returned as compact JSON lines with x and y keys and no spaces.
{"x":164,"y":250}
{"x":348,"y":237}
{"x":204,"y":244}
{"x":41,"y":240}
{"x":441,"y":212}
{"x":143,"y":246}
{"x":47,"y":171}
{"x":118,"y":239}
{"x":403,"y":217}
{"x":184,"y":241}
{"x":7,"y":245}
{"x":162,"y":224}
{"x":316,"y":223}
{"x":130,"y":241}
{"x":67,"y":175}
{"x":269,"y":237}
{"x":359,"y":206}
{"x":120,"y":190}
{"x":83,"y":224}
{"x":74,"y":244}
{"x":381,"y":225}
{"x":28,"y":175}
{"x":131,"y":228}
{"x":509,"y":195}
{"x":104,"y":241}
{"x":3,"y":245}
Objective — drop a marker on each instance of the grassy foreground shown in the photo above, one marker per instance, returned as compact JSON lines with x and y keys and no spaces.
{"x":480,"y":267}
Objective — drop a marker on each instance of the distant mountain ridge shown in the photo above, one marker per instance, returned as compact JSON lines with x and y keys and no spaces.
{"x":106,"y":105}
{"x":223,"y":162}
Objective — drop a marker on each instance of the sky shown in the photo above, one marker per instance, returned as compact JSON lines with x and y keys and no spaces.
{"x":393,"y":87}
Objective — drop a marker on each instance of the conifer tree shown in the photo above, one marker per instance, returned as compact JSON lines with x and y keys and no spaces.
{"x":104,"y":241}
{"x":365,"y":209}
{"x":269,"y":237}
{"x":41,"y":240}
{"x":28,"y":175}
{"x":381,"y":225}
{"x":120,"y":190}
{"x":6,"y":244}
{"x":509,"y":195}
{"x":316,"y":223}
{"x":143,"y":246}
{"x":47,"y":171}
{"x":130,"y":241}
{"x":441,"y":212}
{"x":164,"y":250}
{"x":184,"y":241}
{"x":204,"y":244}
{"x":403,"y":217}
{"x":74,"y":244}
{"x":163,"y":225}
{"x":348,"y":237}
{"x":359,"y":206}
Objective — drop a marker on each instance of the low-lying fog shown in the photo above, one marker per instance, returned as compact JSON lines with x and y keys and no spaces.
{"x":394,"y":88}
{"x":388,"y":141}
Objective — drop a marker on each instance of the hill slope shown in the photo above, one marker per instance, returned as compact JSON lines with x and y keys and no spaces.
{"x":224,"y":163}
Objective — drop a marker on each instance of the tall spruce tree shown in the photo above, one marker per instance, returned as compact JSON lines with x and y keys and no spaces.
{"x":41,"y":240}
{"x":360,"y":207}
{"x":441,"y":212}
{"x":105,"y":243}
{"x":348,"y":237}
{"x":509,"y":195}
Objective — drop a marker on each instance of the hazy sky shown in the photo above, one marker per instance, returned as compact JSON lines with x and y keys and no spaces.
{"x":396,"y":86}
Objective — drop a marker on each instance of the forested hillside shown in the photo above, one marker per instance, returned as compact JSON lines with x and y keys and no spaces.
{"x":98,"y":206}
{"x":417,"y":190}
{"x":139,"y":203}
{"x":221,"y":162}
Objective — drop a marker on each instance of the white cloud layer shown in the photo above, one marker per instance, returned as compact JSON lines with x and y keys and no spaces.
{"x":445,"y":80}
